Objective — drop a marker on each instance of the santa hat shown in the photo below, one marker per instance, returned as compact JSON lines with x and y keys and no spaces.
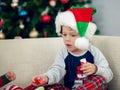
{"x":79,"y":19}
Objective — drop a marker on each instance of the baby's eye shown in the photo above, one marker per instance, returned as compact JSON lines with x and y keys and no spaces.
{"x":73,"y":35}
{"x":64,"y":35}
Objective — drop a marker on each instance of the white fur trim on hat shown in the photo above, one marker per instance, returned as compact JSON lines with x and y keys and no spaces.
{"x":90,"y":30}
{"x":67,"y":19}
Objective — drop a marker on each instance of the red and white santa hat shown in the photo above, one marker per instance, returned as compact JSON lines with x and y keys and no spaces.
{"x":79,"y":19}
{"x":13,"y":87}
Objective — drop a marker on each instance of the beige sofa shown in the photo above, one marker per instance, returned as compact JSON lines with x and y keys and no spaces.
{"x":29,"y":57}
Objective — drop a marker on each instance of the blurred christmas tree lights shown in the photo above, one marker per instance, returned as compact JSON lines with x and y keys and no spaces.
{"x":32,"y":18}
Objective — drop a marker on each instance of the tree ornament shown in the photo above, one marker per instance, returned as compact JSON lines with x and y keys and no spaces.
{"x":45,"y":11}
{"x":1,"y":8}
{"x":24,"y":4}
{"x":34,"y":33}
{"x":46,"y":18}
{"x":14,"y":3}
{"x":87,"y":5}
{"x":18,"y":37}
{"x":1,"y":23}
{"x":23,"y":13}
{"x":28,"y":19}
{"x":21,"y":25}
{"x":64,"y":1}
{"x":52,"y":3}
{"x":2,"y":35}
{"x":3,"y":4}
{"x":45,"y":34}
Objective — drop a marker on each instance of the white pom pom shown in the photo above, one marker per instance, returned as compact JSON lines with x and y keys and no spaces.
{"x":82,"y":43}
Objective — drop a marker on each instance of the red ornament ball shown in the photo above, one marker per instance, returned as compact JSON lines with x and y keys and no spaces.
{"x":52,"y":3}
{"x":64,"y":1}
{"x":1,"y":23}
{"x":2,"y":35}
{"x":45,"y":34}
{"x":46,"y":18}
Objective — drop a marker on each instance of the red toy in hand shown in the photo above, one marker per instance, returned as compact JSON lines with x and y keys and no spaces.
{"x":83,"y":61}
{"x":39,"y":80}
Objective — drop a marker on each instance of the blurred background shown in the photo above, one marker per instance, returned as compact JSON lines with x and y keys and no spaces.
{"x":107,"y":17}
{"x":21,"y":19}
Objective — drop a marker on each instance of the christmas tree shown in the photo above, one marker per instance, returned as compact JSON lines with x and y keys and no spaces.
{"x":32,"y":18}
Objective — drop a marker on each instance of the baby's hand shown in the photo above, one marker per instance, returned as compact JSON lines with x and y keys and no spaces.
{"x":11,"y":75}
{"x":39,"y":80}
{"x":88,"y":68}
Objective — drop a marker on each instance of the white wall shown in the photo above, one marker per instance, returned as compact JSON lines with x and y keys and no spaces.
{"x":107,"y":17}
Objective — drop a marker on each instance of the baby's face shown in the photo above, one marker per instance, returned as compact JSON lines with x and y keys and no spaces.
{"x":69,"y":36}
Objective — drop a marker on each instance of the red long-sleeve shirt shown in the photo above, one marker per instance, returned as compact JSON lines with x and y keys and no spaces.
{"x":3,"y":80}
